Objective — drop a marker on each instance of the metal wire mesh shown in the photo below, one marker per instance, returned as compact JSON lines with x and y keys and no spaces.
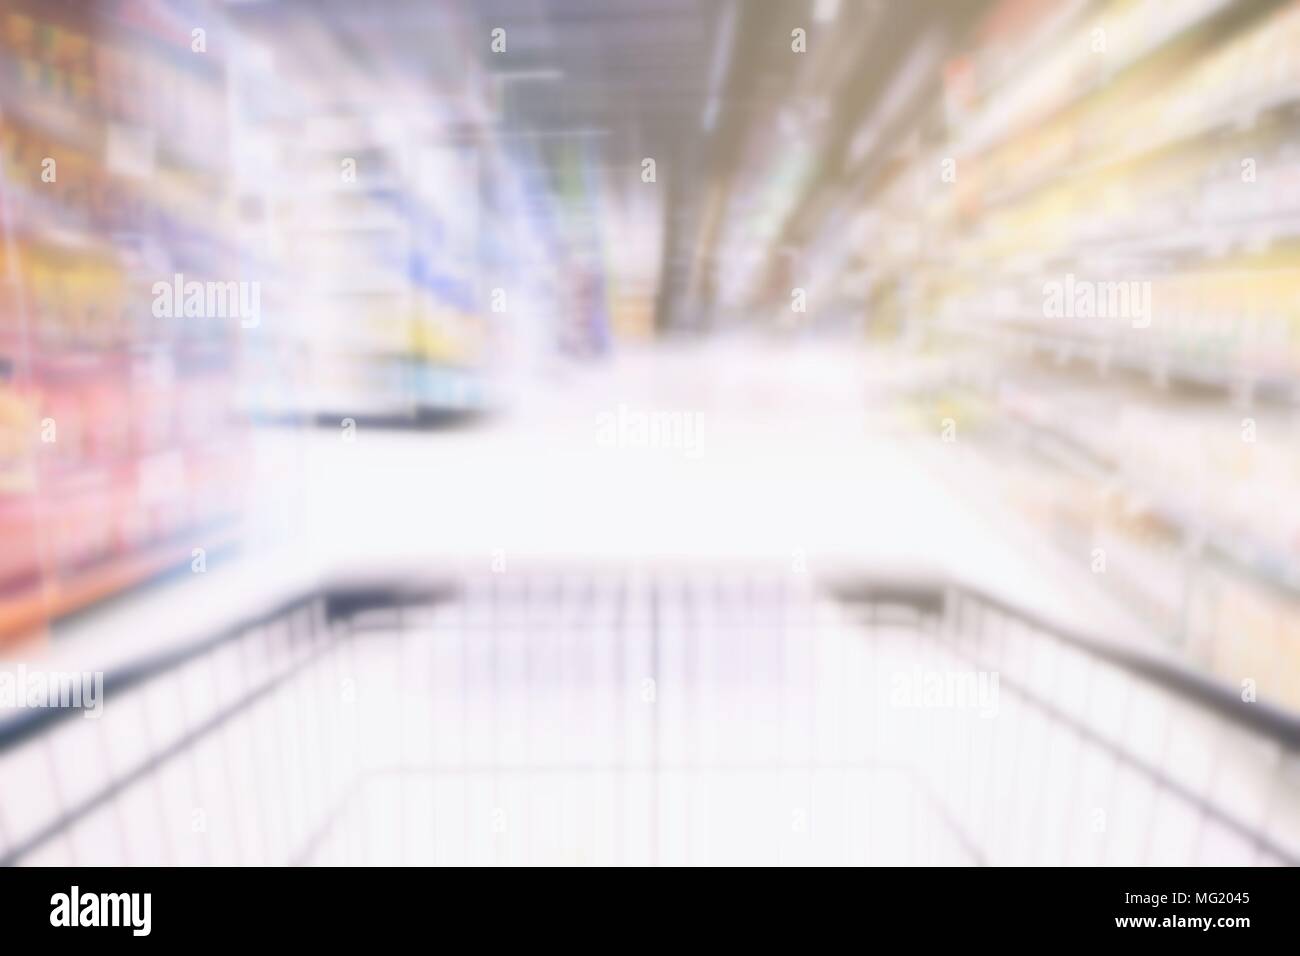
{"x":652,"y":718}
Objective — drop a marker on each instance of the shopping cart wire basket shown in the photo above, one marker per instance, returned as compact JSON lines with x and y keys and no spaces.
{"x":658,"y":718}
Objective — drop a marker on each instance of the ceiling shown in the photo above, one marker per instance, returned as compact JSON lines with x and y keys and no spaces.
{"x":697,"y":85}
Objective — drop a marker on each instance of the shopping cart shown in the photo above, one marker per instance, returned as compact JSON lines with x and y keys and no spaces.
{"x":657,"y":717}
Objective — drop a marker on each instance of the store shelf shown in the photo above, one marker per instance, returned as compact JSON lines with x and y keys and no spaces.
{"x":138,"y":410}
{"x":24,"y":612}
{"x":1126,"y":432}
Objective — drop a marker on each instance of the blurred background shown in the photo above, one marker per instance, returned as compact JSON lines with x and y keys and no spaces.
{"x":651,"y":431}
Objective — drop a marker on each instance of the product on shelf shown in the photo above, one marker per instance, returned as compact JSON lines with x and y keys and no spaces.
{"x":119,"y":442}
{"x":1157,"y":158}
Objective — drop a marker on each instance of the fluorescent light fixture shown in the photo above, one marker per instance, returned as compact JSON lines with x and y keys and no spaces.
{"x":826,"y":10}
{"x":543,"y":75}
{"x":718,"y":69}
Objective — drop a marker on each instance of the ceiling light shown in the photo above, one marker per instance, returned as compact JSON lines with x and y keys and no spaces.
{"x":826,"y":10}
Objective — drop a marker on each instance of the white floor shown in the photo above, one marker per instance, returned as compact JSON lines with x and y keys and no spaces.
{"x":793,"y":458}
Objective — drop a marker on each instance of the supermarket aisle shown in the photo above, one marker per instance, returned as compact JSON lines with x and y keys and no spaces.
{"x":647,"y":321}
